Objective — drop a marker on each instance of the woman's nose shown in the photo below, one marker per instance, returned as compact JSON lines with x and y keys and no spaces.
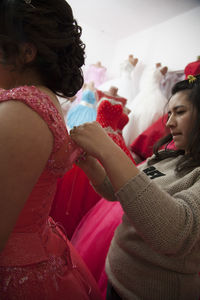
{"x":171,"y":122}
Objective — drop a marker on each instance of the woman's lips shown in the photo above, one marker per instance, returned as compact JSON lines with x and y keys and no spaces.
{"x":176,"y":133}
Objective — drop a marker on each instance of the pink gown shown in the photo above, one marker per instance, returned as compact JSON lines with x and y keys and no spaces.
{"x":95,"y":74}
{"x":94,"y":233}
{"x":38,"y":262}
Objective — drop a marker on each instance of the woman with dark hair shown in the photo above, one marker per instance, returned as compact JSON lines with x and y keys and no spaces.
{"x":154,"y":253}
{"x":41,"y":55}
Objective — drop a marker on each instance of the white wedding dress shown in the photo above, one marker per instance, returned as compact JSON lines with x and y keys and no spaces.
{"x":148,"y":105}
{"x":125,"y":83}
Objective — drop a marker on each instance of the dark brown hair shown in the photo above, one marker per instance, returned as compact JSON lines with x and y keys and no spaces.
{"x":191,"y":159}
{"x":51,"y":27}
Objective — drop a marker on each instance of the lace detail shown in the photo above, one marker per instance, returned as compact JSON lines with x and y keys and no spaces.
{"x":41,"y":103}
{"x":38,"y":262}
{"x":43,"y":278}
{"x":13,"y":277}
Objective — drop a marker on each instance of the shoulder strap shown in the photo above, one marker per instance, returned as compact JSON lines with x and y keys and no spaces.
{"x":41,"y":104}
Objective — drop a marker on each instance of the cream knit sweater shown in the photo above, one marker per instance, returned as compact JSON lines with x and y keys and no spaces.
{"x":155,"y":252}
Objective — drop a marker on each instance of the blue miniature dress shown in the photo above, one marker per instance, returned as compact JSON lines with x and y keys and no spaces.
{"x":84,"y":111}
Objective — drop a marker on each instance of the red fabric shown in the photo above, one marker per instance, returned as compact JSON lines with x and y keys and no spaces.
{"x":73,"y":198}
{"x":109,"y":114}
{"x":38,"y":262}
{"x":122,"y":121}
{"x":192,"y":68}
{"x":74,"y":195}
{"x":143,"y":144}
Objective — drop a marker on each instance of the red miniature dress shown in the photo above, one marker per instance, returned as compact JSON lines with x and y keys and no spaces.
{"x":122,"y":122}
{"x":112,"y":118}
{"x":38,"y":262}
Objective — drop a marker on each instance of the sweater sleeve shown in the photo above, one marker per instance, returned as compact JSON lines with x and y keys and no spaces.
{"x":105,"y":190}
{"x":169,"y":224}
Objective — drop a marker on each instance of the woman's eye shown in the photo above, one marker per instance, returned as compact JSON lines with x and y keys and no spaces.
{"x":180,"y":112}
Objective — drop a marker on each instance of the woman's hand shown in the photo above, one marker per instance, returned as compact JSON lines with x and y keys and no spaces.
{"x":116,"y":164}
{"x":93,"y":139}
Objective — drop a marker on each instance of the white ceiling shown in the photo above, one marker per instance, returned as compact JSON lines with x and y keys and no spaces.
{"x":121,"y":18}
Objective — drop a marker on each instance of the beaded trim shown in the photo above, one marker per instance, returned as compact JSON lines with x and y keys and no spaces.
{"x":87,"y":104}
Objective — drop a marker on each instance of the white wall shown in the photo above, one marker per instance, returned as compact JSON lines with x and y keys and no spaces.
{"x":175,"y":43}
{"x":99,"y":47}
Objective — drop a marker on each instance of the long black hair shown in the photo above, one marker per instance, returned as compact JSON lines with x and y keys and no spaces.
{"x":191,"y":159}
{"x":51,"y":27}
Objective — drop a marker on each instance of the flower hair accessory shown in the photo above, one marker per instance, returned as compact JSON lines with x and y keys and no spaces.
{"x":191,"y":78}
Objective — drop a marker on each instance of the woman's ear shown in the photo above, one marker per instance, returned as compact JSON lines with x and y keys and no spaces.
{"x":28,"y":52}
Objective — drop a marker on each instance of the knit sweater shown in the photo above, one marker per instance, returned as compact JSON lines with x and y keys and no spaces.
{"x":155,"y":251}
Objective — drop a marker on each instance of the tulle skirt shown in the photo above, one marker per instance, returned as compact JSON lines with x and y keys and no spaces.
{"x":80,"y":114}
{"x":93,"y":236}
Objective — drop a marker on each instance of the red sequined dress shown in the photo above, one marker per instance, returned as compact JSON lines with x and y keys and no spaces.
{"x":38,"y":262}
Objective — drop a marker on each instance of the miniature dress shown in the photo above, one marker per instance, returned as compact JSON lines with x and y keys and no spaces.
{"x":38,"y":262}
{"x":84,"y":111}
{"x":94,"y":73}
{"x":147,"y":107}
{"x":124,"y":82}
{"x":123,"y":121}
{"x":110,"y":115}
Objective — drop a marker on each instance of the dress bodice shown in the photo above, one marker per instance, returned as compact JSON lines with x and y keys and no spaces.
{"x":31,"y":226}
{"x":88,"y":96}
{"x":126,"y":68}
{"x":122,"y":121}
{"x":109,"y":113}
{"x":95,"y":74}
{"x":150,"y":80}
